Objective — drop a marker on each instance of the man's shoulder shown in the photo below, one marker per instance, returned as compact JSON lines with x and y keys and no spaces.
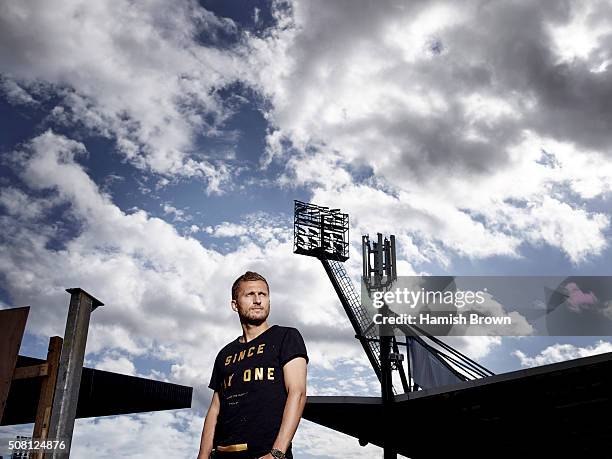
{"x":227,"y":347}
{"x":283,"y":330}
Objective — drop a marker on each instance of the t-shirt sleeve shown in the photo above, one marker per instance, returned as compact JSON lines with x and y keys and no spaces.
{"x":292,"y":346}
{"x":215,"y":378}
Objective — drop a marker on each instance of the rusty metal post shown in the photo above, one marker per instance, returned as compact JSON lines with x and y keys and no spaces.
{"x":12,"y":327}
{"x":45,"y":401}
{"x":68,"y":382}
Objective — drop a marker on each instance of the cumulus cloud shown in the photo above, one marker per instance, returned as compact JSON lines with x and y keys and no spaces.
{"x":177,"y":215}
{"x":490,"y":307}
{"x":160,"y":434}
{"x":465,"y":130}
{"x":177,"y":434}
{"x":156,"y":286}
{"x":316,"y":441}
{"x":133,"y":73}
{"x":15,"y":94}
{"x":116,"y":364}
{"x":562,"y":352}
{"x":448,"y":108}
{"x":17,"y":203}
{"x":155,"y":283}
{"x":475,"y":347}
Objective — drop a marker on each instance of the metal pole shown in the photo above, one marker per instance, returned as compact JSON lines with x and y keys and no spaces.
{"x":386,"y":383}
{"x":45,"y":399}
{"x":410,"y":381}
{"x":68,"y":383}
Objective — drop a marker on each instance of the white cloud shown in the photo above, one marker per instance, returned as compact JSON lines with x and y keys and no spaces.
{"x":582,"y":35}
{"x":442,"y":114}
{"x":193,"y":229}
{"x":574,"y":230}
{"x":159,"y":300}
{"x":449,"y":122}
{"x":318,"y":441}
{"x":139,"y":77}
{"x":562,"y":352}
{"x":20,"y":205}
{"x":438,"y":225}
{"x":156,"y":286}
{"x":154,"y":282}
{"x":159,"y":434}
{"x":116,"y":364}
{"x":177,"y":434}
{"x":346,"y":376}
{"x":490,"y":307}
{"x":227,"y":229}
{"x":16,"y":94}
{"x":475,"y":347}
{"x":178,"y":215}
{"x":367,"y":102}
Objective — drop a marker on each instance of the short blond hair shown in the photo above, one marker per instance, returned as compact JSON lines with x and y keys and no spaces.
{"x":246,"y":277}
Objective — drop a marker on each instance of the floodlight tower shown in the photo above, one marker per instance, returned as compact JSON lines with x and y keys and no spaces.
{"x":323,"y":233}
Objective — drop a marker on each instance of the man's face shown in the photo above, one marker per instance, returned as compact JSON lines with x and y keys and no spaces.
{"x":253,"y":302}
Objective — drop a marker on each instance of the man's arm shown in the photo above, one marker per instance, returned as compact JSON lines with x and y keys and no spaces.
{"x":294,"y":373}
{"x":208,"y":433}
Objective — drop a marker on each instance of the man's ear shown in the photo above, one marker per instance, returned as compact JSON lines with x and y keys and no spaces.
{"x":234,"y":306}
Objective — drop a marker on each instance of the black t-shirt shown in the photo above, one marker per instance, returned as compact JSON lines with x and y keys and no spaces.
{"x":249,"y":380}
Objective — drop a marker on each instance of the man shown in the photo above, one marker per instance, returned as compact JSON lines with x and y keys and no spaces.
{"x":259,"y":381}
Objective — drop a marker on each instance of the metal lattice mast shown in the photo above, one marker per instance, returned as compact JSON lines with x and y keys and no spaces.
{"x":364,"y":330}
{"x":322,"y":233}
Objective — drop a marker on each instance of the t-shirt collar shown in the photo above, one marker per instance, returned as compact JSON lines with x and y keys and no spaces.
{"x":261,"y":334}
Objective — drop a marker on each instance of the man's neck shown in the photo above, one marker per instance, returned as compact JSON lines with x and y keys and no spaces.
{"x":250,"y":332}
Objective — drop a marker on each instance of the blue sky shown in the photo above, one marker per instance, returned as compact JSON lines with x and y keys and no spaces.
{"x":152,"y":152}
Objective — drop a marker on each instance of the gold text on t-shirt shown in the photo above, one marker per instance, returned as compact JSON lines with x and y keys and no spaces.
{"x":250,"y":352}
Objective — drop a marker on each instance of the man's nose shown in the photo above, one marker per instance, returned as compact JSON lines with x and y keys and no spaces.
{"x":256,"y":299}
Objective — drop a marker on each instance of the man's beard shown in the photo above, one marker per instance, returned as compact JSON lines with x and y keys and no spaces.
{"x":252,"y":319}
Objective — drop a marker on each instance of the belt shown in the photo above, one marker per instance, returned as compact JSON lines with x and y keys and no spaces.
{"x":232,"y":448}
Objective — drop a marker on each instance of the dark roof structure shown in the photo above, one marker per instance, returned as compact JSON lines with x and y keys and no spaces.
{"x":557,"y":410}
{"x":102,"y":393}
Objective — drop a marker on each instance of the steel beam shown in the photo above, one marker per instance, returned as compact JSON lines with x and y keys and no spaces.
{"x":68,"y":382}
